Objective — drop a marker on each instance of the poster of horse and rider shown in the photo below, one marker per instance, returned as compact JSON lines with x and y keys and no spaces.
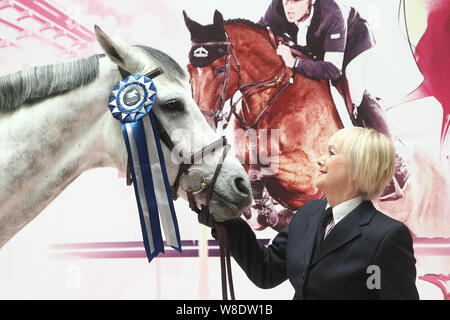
{"x":130,"y":130}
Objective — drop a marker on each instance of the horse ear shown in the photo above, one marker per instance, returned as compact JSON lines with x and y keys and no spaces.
{"x":114,"y":49}
{"x":218,"y":19}
{"x":190,"y":24}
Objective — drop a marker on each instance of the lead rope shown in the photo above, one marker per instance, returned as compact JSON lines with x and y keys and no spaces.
{"x":225,"y":261}
{"x":222,"y":233}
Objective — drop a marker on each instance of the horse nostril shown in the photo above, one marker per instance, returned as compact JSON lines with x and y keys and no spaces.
{"x":242,"y":186}
{"x":247,"y":214}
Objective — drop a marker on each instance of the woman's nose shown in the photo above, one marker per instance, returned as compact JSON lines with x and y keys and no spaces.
{"x":321,"y":161}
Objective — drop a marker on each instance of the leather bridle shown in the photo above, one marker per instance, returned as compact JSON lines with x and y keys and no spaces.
{"x":217,"y":114}
{"x":209,"y":187}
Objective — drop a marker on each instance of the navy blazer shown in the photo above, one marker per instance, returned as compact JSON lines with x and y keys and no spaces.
{"x":365,"y":244}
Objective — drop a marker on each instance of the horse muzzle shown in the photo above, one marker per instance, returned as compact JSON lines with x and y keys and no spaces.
{"x":230,"y":200}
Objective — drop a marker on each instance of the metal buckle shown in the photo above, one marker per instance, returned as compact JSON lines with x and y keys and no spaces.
{"x":193,"y":181}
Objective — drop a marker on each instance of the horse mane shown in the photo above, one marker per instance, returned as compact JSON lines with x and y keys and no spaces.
{"x":246,"y":22}
{"x":40,"y":82}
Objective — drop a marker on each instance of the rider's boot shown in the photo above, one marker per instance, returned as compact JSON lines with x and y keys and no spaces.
{"x":371,"y":115}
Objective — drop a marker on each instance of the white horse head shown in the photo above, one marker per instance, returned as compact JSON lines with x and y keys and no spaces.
{"x":55,"y":127}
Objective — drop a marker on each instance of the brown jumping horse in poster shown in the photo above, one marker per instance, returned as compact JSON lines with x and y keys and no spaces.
{"x":304,"y":115}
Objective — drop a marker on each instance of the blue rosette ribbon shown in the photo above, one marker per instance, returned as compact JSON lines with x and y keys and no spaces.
{"x":131,"y":102}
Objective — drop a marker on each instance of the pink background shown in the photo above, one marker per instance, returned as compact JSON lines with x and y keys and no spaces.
{"x":34,"y":265}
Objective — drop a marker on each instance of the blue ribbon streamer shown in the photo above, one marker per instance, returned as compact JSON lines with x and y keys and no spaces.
{"x":166,"y":180}
{"x":147,"y":193}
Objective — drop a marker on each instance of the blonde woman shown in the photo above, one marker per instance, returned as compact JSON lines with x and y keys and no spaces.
{"x":340,"y":247}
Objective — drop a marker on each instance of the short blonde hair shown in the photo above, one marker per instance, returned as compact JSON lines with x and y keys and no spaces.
{"x":370,"y":156}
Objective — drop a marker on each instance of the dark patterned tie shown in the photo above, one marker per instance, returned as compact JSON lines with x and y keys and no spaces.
{"x":326,"y":218}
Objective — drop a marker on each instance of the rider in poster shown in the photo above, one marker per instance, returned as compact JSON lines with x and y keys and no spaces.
{"x":339,"y":41}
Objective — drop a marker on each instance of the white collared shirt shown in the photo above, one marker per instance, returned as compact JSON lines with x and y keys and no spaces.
{"x":344,"y":208}
{"x":303,"y":28}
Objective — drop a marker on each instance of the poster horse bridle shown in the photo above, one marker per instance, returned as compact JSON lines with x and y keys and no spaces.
{"x":246,"y":89}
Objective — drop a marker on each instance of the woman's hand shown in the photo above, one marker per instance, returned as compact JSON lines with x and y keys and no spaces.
{"x":285,"y":52}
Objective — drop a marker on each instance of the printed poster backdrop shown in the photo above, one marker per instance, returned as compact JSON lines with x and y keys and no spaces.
{"x":87,"y":243}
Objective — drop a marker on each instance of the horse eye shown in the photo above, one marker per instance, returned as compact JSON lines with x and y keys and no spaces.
{"x":174,"y":105}
{"x":220,"y":70}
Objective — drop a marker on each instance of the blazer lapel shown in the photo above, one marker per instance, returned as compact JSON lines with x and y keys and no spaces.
{"x":346,"y":230}
{"x":311,"y":233}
